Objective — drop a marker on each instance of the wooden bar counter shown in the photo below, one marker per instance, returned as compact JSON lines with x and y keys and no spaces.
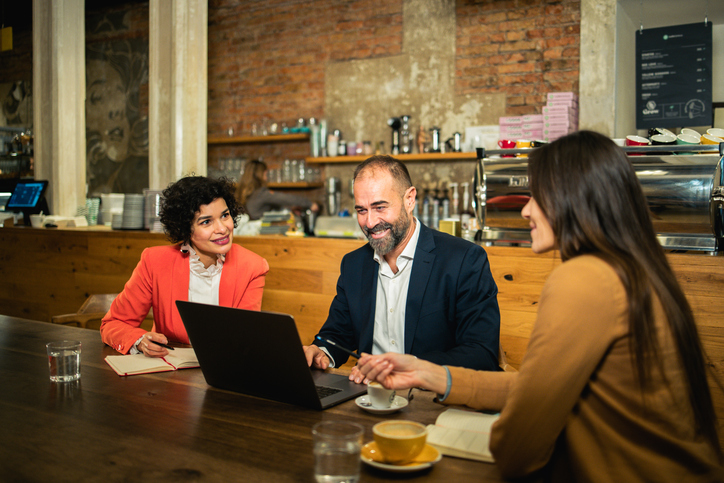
{"x":48,"y":272}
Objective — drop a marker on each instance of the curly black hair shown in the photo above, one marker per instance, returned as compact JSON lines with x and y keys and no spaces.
{"x":181,"y":201}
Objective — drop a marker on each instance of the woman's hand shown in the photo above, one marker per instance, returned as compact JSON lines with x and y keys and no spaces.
{"x":149,"y":348}
{"x":402,"y":371}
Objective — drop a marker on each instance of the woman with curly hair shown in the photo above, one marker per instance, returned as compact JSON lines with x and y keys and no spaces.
{"x":203,"y":265}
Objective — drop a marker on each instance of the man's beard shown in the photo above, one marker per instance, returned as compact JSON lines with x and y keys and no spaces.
{"x":383,"y":246}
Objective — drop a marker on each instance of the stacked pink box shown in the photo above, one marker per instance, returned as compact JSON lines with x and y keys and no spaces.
{"x":533,"y":127}
{"x":511,"y":127}
{"x":560,"y":115}
{"x":521,"y":127}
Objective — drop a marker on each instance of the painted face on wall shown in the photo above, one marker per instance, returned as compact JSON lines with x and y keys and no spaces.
{"x":105,"y":110}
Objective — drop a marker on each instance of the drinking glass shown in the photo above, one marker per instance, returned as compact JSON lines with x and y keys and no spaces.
{"x":64,"y":360}
{"x":337,"y":446}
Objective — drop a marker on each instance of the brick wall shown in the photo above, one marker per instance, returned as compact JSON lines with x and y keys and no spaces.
{"x":524,"y":48}
{"x":267,"y":58}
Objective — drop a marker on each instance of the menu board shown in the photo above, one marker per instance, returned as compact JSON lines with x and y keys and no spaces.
{"x":674,"y":76}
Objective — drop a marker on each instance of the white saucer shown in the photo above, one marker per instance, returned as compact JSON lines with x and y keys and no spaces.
{"x":399,"y":403}
{"x":371,"y":456}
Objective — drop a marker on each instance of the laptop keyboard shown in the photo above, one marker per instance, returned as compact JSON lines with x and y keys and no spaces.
{"x":324,"y":391}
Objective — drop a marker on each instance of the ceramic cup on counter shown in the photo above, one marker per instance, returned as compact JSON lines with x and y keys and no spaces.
{"x":506,"y":144}
{"x":399,"y":441}
{"x":716,"y":131}
{"x":36,"y":221}
{"x":663,"y":139}
{"x":522,"y":143}
{"x":710,"y":139}
{"x":633,"y":141}
{"x":380,"y":397}
{"x":691,"y":132}
{"x":687,"y":140}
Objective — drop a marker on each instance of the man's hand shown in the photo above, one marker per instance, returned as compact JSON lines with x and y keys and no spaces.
{"x":316,"y":357}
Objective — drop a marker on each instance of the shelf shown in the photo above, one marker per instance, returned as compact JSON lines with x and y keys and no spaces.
{"x":296,"y":185}
{"x":401,"y":157}
{"x":272,"y":138}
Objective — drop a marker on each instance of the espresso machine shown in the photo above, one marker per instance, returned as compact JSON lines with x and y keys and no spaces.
{"x":684,"y":191}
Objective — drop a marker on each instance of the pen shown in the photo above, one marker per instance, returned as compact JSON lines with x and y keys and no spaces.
{"x":353,"y":354}
{"x":162,"y":345}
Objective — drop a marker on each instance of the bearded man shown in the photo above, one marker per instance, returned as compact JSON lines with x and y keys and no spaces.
{"x":411,"y":289}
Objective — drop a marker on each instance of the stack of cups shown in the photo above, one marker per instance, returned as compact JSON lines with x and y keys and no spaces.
{"x":112,"y":204}
{"x":92,"y":205}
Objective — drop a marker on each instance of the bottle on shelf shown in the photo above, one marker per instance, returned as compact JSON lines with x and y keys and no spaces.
{"x":416,"y":209}
{"x":468,"y":220}
{"x":314,"y":138}
{"x":405,"y":136}
{"x":454,"y":207}
{"x":445,"y":204}
{"x":426,"y":208}
{"x":435,"y":215}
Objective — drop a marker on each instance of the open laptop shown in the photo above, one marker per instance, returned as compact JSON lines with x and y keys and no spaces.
{"x":260,"y":354}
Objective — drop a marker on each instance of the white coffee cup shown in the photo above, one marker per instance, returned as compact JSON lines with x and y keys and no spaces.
{"x":716,"y":131}
{"x":379,"y":396}
{"x":36,"y":221}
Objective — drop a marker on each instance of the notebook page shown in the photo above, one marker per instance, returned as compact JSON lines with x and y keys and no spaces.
{"x":182,"y":358}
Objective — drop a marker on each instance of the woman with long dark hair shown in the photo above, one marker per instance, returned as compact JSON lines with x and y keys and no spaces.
{"x":613,"y":385}
{"x":256,"y":198}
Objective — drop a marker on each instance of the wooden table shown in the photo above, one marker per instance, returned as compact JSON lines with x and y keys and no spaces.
{"x":164,"y":427}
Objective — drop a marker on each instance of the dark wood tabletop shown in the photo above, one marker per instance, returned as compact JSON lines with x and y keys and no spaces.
{"x":168,"y":426}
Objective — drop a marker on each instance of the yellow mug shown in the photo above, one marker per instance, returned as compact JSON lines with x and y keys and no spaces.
{"x":710,"y":139}
{"x":522,"y":143}
{"x":399,"y":441}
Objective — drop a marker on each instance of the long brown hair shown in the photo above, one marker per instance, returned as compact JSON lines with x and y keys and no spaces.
{"x":251,"y":180}
{"x":588,"y":190}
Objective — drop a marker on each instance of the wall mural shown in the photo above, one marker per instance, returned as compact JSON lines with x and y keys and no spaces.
{"x":116,"y":129}
{"x":17,"y":104}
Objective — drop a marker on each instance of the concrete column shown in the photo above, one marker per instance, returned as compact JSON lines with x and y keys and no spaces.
{"x":178,"y":89}
{"x":59,"y":102}
{"x":597,"y":88}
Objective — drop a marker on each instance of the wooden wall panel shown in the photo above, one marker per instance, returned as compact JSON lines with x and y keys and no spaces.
{"x":51,"y":272}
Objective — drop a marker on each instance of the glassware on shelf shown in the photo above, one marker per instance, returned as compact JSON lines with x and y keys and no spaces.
{"x":302,"y":169}
{"x":294,"y":171}
{"x":286,"y":171}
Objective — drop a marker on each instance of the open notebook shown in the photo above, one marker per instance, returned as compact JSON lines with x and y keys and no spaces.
{"x":464,"y":434}
{"x":129,"y":365}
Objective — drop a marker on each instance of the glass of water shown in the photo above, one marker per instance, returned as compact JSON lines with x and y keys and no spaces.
{"x":64,"y":360}
{"x":337,"y":446}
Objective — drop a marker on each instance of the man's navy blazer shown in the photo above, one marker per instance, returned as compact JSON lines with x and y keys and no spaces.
{"x":452,"y":315}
